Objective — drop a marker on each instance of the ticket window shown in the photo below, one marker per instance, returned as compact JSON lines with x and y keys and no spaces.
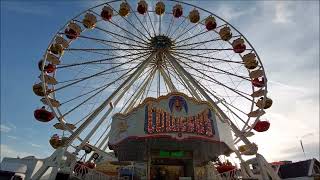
{"x":169,"y":165}
{"x":166,"y":172}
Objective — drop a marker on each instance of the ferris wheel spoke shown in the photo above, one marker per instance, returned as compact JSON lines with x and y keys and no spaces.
{"x":191,"y":37}
{"x":154,"y":31}
{"x":234,"y":113}
{"x":124,"y":37}
{"x":179,"y":79}
{"x":134,"y":12}
{"x":199,"y":78}
{"x":196,"y":43}
{"x":209,"y":71}
{"x":209,"y":79}
{"x":104,"y":49}
{"x":167,"y":74}
{"x":130,"y":32}
{"x":168,"y":81}
{"x":117,"y":99}
{"x":206,"y":57}
{"x":129,"y":22}
{"x":144,"y":92}
{"x":171,"y":35}
{"x":160,"y":25}
{"x":225,"y":102}
{"x":217,"y":82}
{"x":225,"y":90}
{"x":95,"y":94}
{"x":101,"y":60}
{"x":89,"y":92}
{"x":108,"y":100}
{"x":212,"y":53}
{"x":203,"y":49}
{"x":185,"y":32}
{"x":203,"y":64}
{"x":94,"y":75}
{"x":199,"y":34}
{"x":107,"y":41}
{"x":170,"y":26}
{"x":102,"y":135}
{"x":106,"y":73}
{"x":138,"y":92}
{"x":129,"y":45}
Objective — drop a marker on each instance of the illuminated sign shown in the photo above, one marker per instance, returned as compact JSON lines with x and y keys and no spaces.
{"x":158,"y":120}
{"x":163,"y":153}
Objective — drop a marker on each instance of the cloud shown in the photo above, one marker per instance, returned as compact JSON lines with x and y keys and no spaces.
{"x":229,"y":13}
{"x":4,"y":128}
{"x":35,"y":145}
{"x":27,"y":7}
{"x":295,"y":152}
{"x":12,"y":137}
{"x":7,"y":127}
{"x":282,"y":12}
{"x":7,"y":151}
{"x":286,"y":37}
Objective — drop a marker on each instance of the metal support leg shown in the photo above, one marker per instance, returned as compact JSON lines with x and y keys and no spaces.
{"x":180,"y":69}
{"x":53,"y":161}
{"x":103,"y":118}
{"x":168,"y":80}
{"x":108,"y":100}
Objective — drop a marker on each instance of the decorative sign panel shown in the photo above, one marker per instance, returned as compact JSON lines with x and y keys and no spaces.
{"x":175,"y":116}
{"x":178,"y":119}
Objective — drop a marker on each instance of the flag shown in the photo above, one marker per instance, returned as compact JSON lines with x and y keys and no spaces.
{"x":302,"y":146}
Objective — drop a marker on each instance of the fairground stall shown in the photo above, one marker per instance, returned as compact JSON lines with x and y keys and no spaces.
{"x":172,"y":133}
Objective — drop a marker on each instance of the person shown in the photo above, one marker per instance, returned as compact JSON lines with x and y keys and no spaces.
{"x":158,"y":174}
{"x":228,"y":163}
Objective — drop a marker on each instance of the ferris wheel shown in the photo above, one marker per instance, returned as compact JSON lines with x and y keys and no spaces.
{"x":109,"y":58}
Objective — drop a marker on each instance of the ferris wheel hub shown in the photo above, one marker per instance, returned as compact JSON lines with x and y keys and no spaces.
{"x":161,"y":42}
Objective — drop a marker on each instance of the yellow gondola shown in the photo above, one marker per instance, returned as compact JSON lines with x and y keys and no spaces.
{"x":194,"y":16}
{"x":89,"y":21}
{"x":124,"y":9}
{"x":160,"y":8}
{"x":225,"y":33}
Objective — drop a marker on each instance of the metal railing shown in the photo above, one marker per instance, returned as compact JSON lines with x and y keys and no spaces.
{"x":229,"y":175}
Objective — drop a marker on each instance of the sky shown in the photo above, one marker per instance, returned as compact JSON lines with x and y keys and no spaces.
{"x":284,"y":33}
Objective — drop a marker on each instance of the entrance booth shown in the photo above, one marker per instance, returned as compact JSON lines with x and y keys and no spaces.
{"x":171,"y":135}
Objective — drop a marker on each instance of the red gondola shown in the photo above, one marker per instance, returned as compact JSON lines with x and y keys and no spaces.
{"x":71,"y":34}
{"x":238,"y":45}
{"x":90,"y":164}
{"x":240,"y":48}
{"x":106,"y":13}
{"x":262,"y":126}
{"x":210,"y":23}
{"x":142,"y":7}
{"x":50,"y":68}
{"x":43,"y":115}
{"x":177,"y":11}
{"x":225,"y":168}
{"x":258,"y":82}
{"x":80,"y":168}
